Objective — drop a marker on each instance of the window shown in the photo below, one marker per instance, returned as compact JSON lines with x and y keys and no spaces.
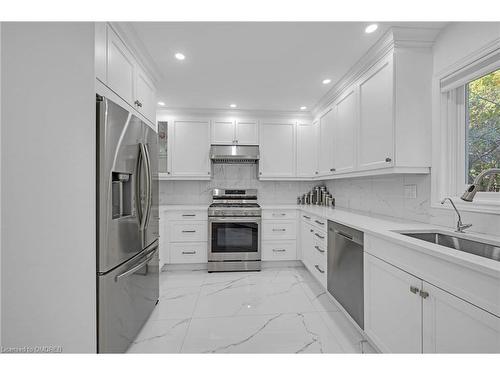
{"x":466,"y":130}
{"x":482,"y":133}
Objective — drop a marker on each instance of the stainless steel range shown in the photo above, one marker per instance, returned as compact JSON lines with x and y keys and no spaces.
{"x":234,"y":220}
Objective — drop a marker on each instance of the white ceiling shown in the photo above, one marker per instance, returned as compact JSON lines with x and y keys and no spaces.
{"x":264,"y":66}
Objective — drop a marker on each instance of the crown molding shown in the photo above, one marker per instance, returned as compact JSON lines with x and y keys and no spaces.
{"x":128,"y":33}
{"x":220,"y":112}
{"x":395,"y":37}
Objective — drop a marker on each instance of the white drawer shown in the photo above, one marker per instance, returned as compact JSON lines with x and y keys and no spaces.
{"x":187,"y":215}
{"x":189,"y":252}
{"x":319,"y":237}
{"x":182,"y":231}
{"x":318,"y":268}
{"x":320,"y":223}
{"x":279,"y":250}
{"x":279,"y":230}
{"x":279,"y":214}
{"x":319,"y":248}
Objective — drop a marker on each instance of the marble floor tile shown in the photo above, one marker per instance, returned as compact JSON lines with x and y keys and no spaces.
{"x":319,"y":297}
{"x":176,"y":303}
{"x":277,"y":310}
{"x":179,"y":279}
{"x":241,"y":297}
{"x":346,"y":334}
{"x":277,"y":333}
{"x":161,"y":336}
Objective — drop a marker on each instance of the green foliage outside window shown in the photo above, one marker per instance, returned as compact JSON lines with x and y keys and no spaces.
{"x":483,"y":128}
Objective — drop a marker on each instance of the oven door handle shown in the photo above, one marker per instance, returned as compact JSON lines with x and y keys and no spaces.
{"x":252,"y":219}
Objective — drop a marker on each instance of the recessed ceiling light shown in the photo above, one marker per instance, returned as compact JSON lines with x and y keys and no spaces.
{"x":232,"y":105}
{"x":326,"y":81}
{"x":303,"y":108}
{"x":161,"y":103}
{"x":371,"y":28}
{"x":180,"y":56}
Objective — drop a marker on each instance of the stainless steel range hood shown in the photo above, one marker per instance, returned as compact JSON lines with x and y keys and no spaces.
{"x":223,"y":154}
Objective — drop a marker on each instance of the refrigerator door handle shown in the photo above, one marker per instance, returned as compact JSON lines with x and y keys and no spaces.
{"x":135,"y":268}
{"x":149,"y":190}
{"x":142,"y":164}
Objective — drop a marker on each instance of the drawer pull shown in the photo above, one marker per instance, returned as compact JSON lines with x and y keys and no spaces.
{"x":319,"y":236}
{"x":279,"y":250}
{"x":189,"y":252}
{"x":188,"y":231}
{"x":306,"y":217}
{"x":319,"y":249}
{"x":188,"y":215}
{"x":319,"y":222}
{"x":311,"y":230}
{"x":279,"y":230}
{"x":414,"y":289}
{"x":280,"y":214}
{"x":319,"y":269}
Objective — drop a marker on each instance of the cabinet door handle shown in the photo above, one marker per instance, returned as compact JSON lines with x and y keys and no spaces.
{"x":319,"y":236}
{"x":279,"y":250}
{"x":189,"y":252}
{"x":306,"y":217}
{"x":332,"y":169}
{"x":188,"y":215}
{"x":388,"y":160}
{"x":319,"y":249}
{"x":188,"y":231}
{"x":311,"y":230}
{"x":423,"y":294}
{"x":138,"y":103}
{"x":319,"y":269}
{"x":280,"y":214}
{"x":316,"y":172}
{"x":279,"y":229}
{"x":414,"y":289}
{"x":319,"y":222}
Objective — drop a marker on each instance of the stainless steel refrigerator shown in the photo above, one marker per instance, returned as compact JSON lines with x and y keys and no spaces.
{"x":127,"y":225}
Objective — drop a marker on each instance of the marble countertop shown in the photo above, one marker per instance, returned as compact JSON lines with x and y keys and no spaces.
{"x":387,"y":227}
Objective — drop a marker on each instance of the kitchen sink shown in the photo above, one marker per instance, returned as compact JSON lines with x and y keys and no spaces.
{"x":481,"y":249}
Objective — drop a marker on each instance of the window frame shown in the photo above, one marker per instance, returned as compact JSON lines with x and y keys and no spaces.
{"x":449,"y":165}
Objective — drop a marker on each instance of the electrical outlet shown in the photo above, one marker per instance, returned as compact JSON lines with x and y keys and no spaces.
{"x":410,"y":191}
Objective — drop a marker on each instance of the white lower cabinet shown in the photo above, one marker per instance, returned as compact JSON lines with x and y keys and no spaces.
{"x":279,"y":235}
{"x":404,"y":314}
{"x":188,"y":252}
{"x":279,"y":250}
{"x":184,"y":238}
{"x":313,"y":245}
{"x":393,"y":313}
{"x":452,"y":325}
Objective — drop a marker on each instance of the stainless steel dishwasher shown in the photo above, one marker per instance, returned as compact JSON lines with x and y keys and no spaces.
{"x":345,"y":269}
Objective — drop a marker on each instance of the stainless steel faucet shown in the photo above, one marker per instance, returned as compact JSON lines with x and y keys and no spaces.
{"x":471,"y":191}
{"x":460,"y":225}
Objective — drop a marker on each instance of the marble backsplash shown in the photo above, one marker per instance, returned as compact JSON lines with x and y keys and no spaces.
{"x":383,"y":195}
{"x":232,"y":176}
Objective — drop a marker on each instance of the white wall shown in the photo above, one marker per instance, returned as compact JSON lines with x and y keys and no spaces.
{"x":0,"y":184}
{"x":48,"y":186}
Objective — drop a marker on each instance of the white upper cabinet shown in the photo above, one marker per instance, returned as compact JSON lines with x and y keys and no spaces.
{"x":345,"y":128}
{"x":189,"y":141}
{"x":277,"y":149}
{"x":247,"y":132}
{"x":376,"y":126}
{"x":240,"y":132}
{"x":307,"y":150}
{"x":120,"y":68}
{"x":452,"y":325}
{"x":223,"y":132}
{"x":325,"y":150}
{"x":145,"y":97}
